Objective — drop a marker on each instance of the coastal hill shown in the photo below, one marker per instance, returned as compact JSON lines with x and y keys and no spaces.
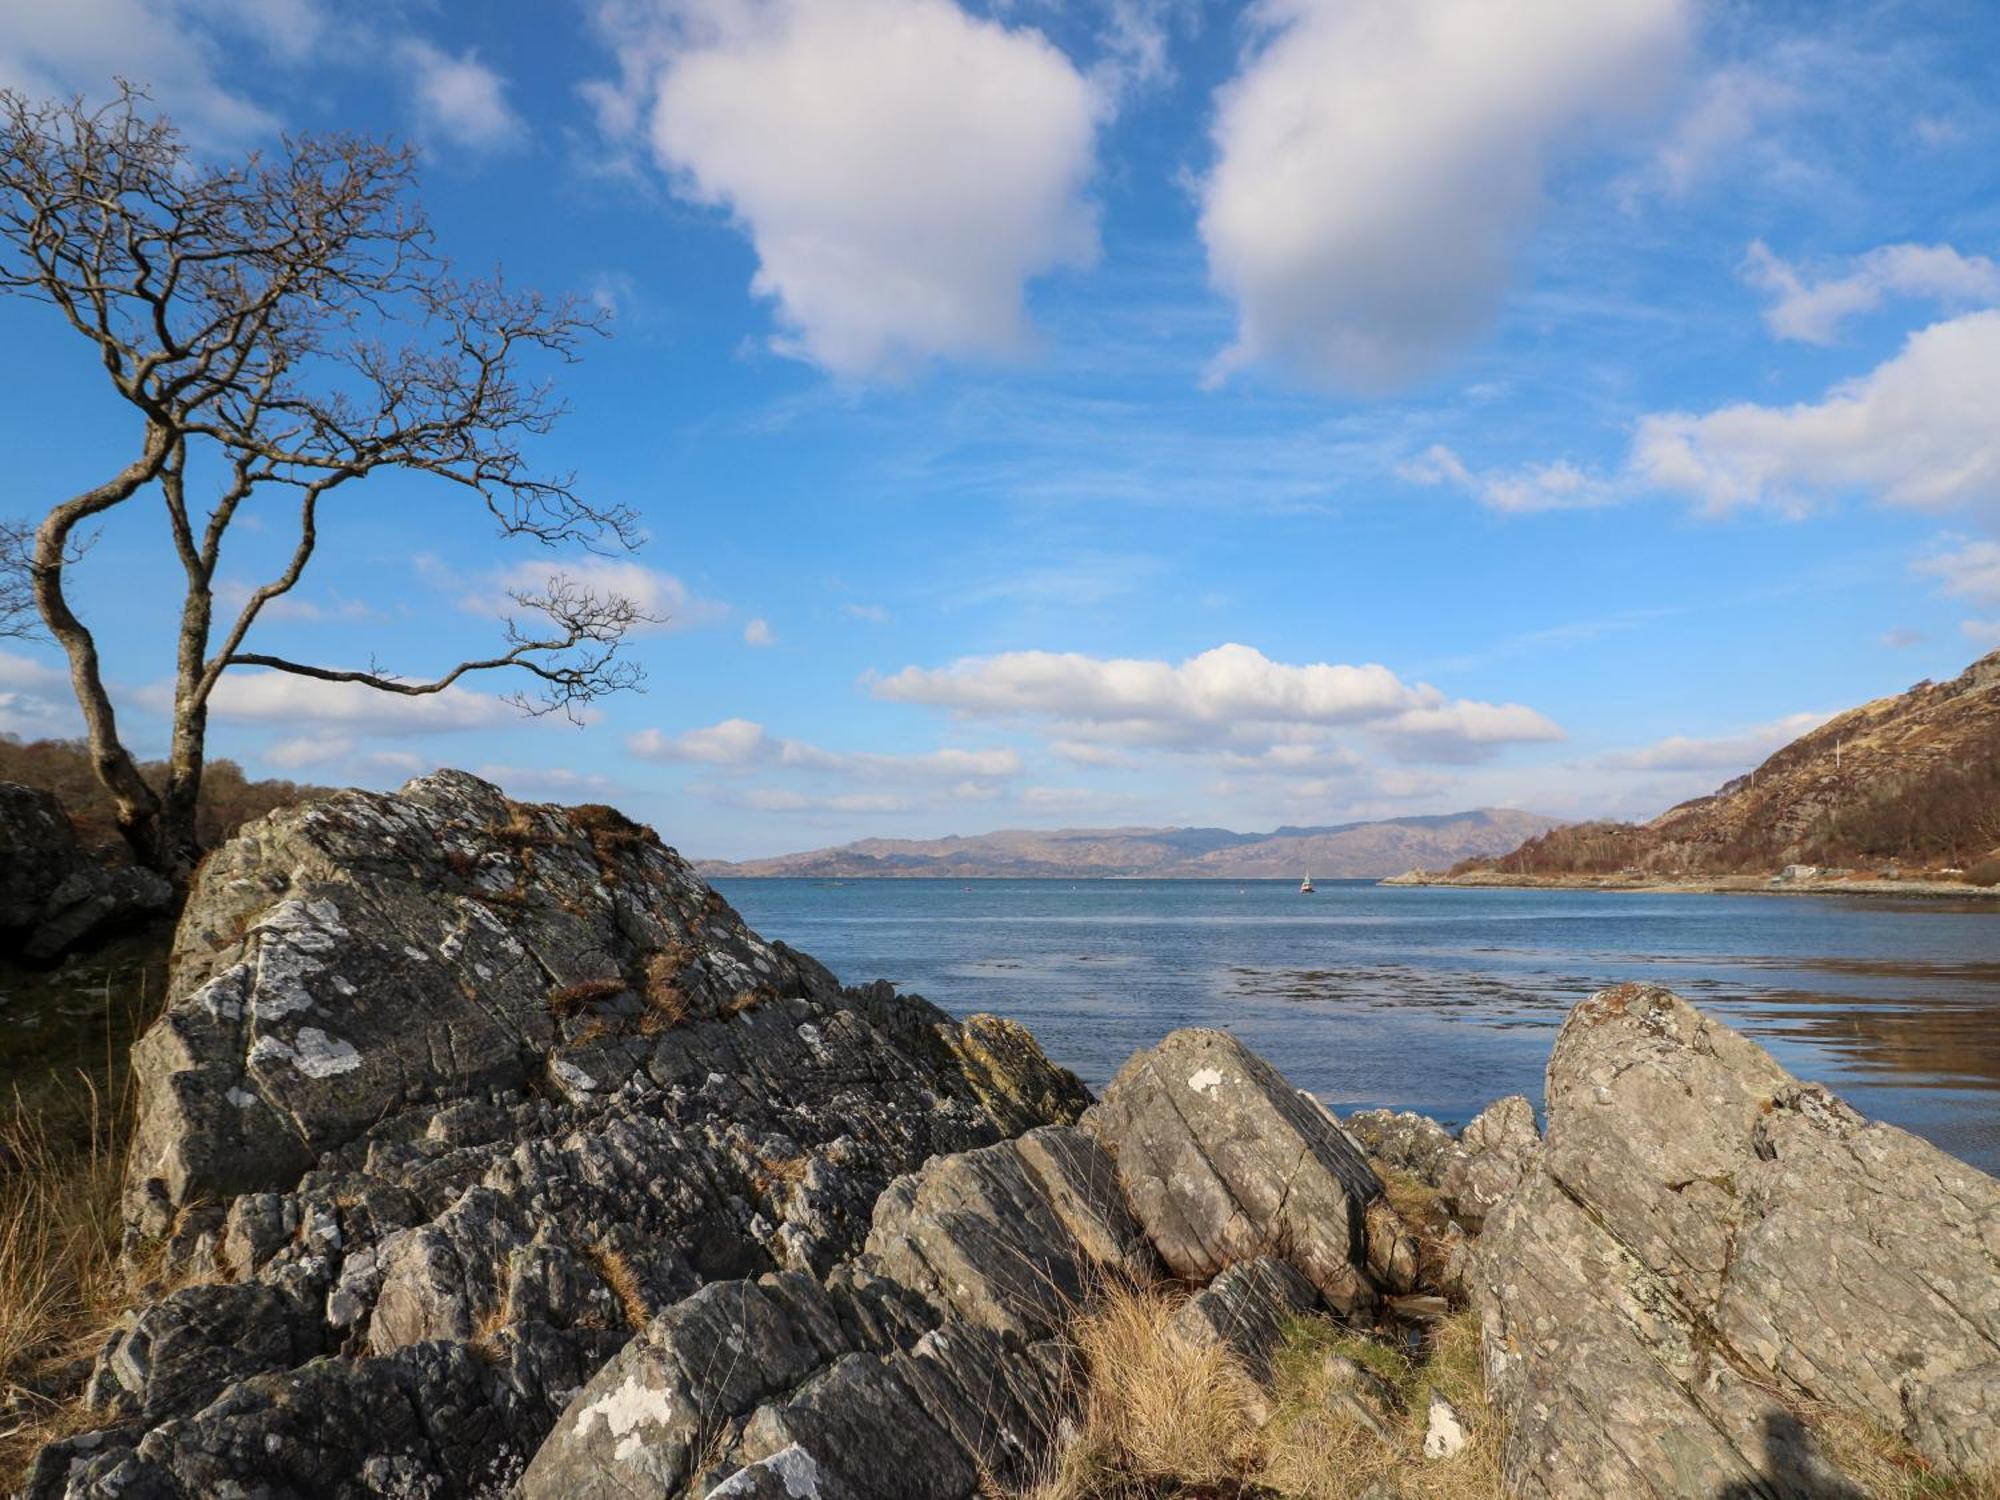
{"x":1356,"y":851}
{"x":1910,"y":781}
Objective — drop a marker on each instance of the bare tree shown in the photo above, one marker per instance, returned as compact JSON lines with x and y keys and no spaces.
{"x":17,"y":598}
{"x":288,"y":318}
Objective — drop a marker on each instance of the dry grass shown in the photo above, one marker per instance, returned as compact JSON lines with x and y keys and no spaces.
{"x":1163,"y":1416}
{"x":623,"y":1278}
{"x":666,"y":1005}
{"x":569,"y":1000}
{"x":1884,"y":1466}
{"x":66,"y":1114}
{"x":60,"y":1282}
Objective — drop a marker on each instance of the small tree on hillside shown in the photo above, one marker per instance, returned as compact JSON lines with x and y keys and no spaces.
{"x":287,"y":317}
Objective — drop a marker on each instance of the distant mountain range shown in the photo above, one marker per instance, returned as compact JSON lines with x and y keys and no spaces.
{"x":1911,"y":780}
{"x":1335,"y":852}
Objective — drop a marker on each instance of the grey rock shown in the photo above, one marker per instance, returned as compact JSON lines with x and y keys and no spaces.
{"x":1223,"y":1161}
{"x":1247,"y":1309}
{"x":1407,"y":1141}
{"x":53,"y":895}
{"x":916,"y":1369}
{"x":1702,"y":1241}
{"x":1491,"y":1156}
{"x":456,"y":1094}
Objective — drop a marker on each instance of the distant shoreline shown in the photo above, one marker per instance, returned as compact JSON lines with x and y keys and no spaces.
{"x":1719,"y":885}
{"x":1722,"y":885}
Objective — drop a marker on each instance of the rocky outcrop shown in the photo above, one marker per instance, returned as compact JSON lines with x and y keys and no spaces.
{"x":451,"y":1096}
{"x":1225,"y":1161}
{"x":53,"y":895}
{"x":1705,"y":1246}
{"x":928,"y":1366}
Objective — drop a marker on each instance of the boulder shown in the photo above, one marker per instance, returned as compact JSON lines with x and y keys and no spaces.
{"x":1488,"y":1161}
{"x":53,"y":895}
{"x":1704,"y":1245}
{"x":1402,"y":1139}
{"x":917,"y":1370}
{"x":452,"y":1095}
{"x":1222,"y":1160}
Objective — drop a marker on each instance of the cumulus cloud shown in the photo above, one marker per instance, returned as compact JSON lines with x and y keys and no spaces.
{"x":1811,"y":309}
{"x":758,"y":632}
{"x":1969,"y":571}
{"x":902,"y":167}
{"x":258,"y":697}
{"x":233,"y":593}
{"x":35,"y":698}
{"x":874,"y":614}
{"x":1543,"y":486}
{"x":458,"y":98}
{"x":1734,"y":752}
{"x":743,"y":744}
{"x":1916,"y":431}
{"x":1378,"y":162}
{"x":1901,"y":638}
{"x":1230,"y":698}
{"x":172,"y":48}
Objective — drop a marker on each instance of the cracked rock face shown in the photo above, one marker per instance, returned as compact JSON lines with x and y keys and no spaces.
{"x":451,"y":1096}
{"x":1224,"y":1161}
{"x":1702,"y":1242}
{"x":926,"y":1367}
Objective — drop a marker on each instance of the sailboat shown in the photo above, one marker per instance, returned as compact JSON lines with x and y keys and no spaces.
{"x":1306,"y":886}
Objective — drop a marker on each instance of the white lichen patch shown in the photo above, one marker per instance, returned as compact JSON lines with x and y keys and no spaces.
{"x":241,"y":1098}
{"x":222,"y":996}
{"x":1206,"y":1081}
{"x":791,"y":1466}
{"x":312,"y":1052}
{"x":624,"y":1411}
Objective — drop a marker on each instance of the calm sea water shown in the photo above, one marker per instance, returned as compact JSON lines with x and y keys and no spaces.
{"x":1430,"y":999}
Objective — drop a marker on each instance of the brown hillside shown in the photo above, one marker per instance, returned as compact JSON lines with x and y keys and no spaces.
{"x":1913,"y":779}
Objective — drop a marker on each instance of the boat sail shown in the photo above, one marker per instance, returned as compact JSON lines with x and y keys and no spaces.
{"x":1306,"y":886}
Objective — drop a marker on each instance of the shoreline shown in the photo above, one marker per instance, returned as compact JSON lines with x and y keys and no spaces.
{"x":1719,"y":885}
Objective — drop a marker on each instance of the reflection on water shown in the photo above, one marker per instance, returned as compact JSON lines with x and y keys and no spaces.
{"x":1437,"y":1000}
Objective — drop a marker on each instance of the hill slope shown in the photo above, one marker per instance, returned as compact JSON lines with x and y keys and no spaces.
{"x":1913,"y":779}
{"x":1340,"y":851}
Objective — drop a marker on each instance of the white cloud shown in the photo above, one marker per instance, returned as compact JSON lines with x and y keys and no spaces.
{"x":234,"y":594}
{"x":1811,"y":310}
{"x":874,"y":614}
{"x":458,"y":97}
{"x":1231,"y":698}
{"x":1917,"y":431}
{"x":1970,"y":571}
{"x":902,"y":167}
{"x":1533,"y":487}
{"x":1735,"y":752}
{"x":35,"y":699}
{"x":55,"y":47}
{"x":1983,"y":632}
{"x":759,"y":633}
{"x":742,"y":744}
{"x":1378,"y":161}
{"x":1726,"y":110}
{"x":671,"y":603}
{"x":1084,"y":753}
{"x":1901,"y":638}
{"x":261,"y":697}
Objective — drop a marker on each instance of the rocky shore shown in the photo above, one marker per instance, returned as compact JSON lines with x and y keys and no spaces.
{"x":483,"y":1150}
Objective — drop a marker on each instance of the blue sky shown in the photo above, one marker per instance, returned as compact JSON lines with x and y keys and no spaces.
{"x":1131,"y":411}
